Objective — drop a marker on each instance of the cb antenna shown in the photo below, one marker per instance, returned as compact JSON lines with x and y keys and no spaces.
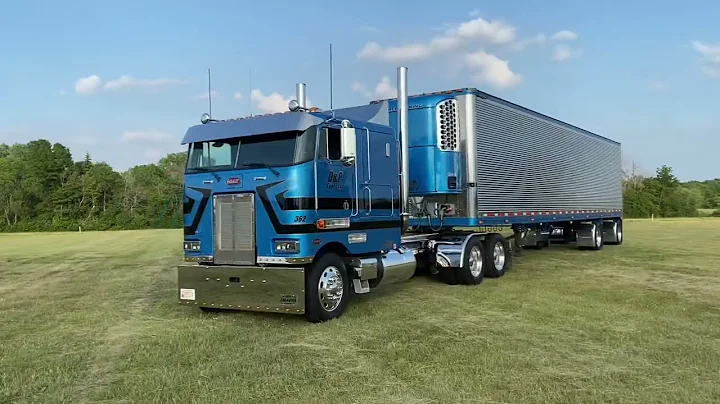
{"x":209,"y":96}
{"x":331,"y":78}
{"x":250,"y":90}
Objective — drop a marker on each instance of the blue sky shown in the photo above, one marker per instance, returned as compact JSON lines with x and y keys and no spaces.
{"x":124,"y":80}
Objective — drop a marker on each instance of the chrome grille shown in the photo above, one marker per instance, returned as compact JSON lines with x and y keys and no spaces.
{"x":234,"y":224}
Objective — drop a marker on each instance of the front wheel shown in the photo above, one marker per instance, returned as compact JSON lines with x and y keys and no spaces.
{"x":327,"y":288}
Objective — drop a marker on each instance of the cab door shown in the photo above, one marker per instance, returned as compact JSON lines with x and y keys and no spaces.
{"x":337,"y":184}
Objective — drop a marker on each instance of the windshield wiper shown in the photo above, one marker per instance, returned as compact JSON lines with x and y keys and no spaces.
{"x":207,"y":170}
{"x":262,"y":164}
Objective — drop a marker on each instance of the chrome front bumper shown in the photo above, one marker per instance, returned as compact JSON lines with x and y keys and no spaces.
{"x":248,"y":288}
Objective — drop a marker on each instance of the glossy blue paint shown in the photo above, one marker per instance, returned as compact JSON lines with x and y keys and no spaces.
{"x":366,"y":193}
{"x":430,"y":167}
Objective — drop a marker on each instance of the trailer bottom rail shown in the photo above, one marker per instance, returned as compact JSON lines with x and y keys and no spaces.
{"x":246,"y":288}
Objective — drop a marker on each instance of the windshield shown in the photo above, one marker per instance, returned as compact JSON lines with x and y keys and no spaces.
{"x":272,"y":149}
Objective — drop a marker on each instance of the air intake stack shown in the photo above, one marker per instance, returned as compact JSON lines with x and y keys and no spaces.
{"x":300,"y":95}
{"x":402,"y":113}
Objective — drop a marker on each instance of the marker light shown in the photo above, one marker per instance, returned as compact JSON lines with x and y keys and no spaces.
{"x":339,"y":223}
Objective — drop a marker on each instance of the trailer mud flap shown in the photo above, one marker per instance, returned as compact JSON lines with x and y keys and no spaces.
{"x":245,"y":288}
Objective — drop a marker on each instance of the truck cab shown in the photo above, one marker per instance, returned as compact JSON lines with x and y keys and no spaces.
{"x":267,"y":197}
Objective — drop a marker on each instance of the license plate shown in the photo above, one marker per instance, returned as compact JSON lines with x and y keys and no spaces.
{"x":187,"y":294}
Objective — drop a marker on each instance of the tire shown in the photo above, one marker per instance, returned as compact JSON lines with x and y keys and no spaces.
{"x":497,"y":256}
{"x":319,"y":306}
{"x":473,"y":266}
{"x":597,"y":238}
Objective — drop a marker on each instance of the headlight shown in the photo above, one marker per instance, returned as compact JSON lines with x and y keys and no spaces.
{"x":287,"y":246}
{"x":191,"y":246}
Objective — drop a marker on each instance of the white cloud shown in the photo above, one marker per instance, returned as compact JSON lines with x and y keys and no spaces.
{"x":475,"y":13}
{"x":492,"y":32}
{"x":710,"y":58}
{"x":382,"y":90}
{"x":88,"y":85}
{"x":238,"y":96}
{"x":125,"y":81}
{"x":563,"y":52}
{"x":492,"y":70}
{"x":147,"y":136}
{"x":271,"y":103}
{"x":538,"y":39}
{"x":93,"y":84}
{"x":564,"y":35}
{"x":274,"y":102}
{"x":204,"y":96}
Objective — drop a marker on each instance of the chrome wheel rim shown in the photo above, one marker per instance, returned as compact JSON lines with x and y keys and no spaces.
{"x":330,"y":288}
{"x":598,"y":236}
{"x":499,"y":256}
{"x":619,"y":233}
{"x":475,"y":261}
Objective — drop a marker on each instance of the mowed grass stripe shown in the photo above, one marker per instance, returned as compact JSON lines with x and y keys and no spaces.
{"x":93,"y":317}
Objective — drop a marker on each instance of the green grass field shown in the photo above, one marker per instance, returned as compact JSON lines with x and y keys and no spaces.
{"x":93,"y":317}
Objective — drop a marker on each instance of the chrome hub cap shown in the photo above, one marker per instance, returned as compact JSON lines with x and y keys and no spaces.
{"x":619,"y":233}
{"x":475,"y":261}
{"x":499,"y":256}
{"x":330,"y":288}
{"x":598,"y":236}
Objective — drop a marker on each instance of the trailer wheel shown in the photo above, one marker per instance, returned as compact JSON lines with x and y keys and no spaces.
{"x":473,"y":266}
{"x":497,"y":256}
{"x":327,"y":288}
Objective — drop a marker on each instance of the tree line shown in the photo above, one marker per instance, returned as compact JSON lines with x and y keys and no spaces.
{"x":663,"y":195}
{"x":43,"y":189}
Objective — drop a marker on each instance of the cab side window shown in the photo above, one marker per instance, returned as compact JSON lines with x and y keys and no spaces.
{"x":329,"y":146}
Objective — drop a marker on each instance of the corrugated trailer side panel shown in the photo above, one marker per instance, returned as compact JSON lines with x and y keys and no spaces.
{"x":528,"y":162}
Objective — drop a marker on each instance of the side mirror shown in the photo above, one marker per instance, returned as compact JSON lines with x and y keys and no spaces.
{"x":348,"y":146}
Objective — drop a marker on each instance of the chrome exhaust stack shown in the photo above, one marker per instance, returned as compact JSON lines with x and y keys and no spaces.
{"x":300,"y":95}
{"x":402,"y":113}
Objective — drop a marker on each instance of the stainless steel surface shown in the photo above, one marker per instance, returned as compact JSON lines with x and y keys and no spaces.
{"x":499,"y":256}
{"x":330,"y":288}
{"x":402,"y":108}
{"x":475,"y":261}
{"x":234,"y":229}
{"x":586,"y":235}
{"x":368,"y":268}
{"x":612,"y":232}
{"x":398,"y":266}
{"x":524,"y":163}
{"x":467,"y":200}
{"x":447,"y":125}
{"x":300,"y":95}
{"x":243,"y":288}
{"x":450,"y":254}
{"x":284,"y":260}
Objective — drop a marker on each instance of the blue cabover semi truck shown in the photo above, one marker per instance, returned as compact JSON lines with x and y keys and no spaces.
{"x":295,"y":212}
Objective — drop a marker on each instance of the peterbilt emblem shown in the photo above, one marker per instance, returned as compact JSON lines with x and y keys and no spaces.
{"x":233,"y":181}
{"x":346,"y":205}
